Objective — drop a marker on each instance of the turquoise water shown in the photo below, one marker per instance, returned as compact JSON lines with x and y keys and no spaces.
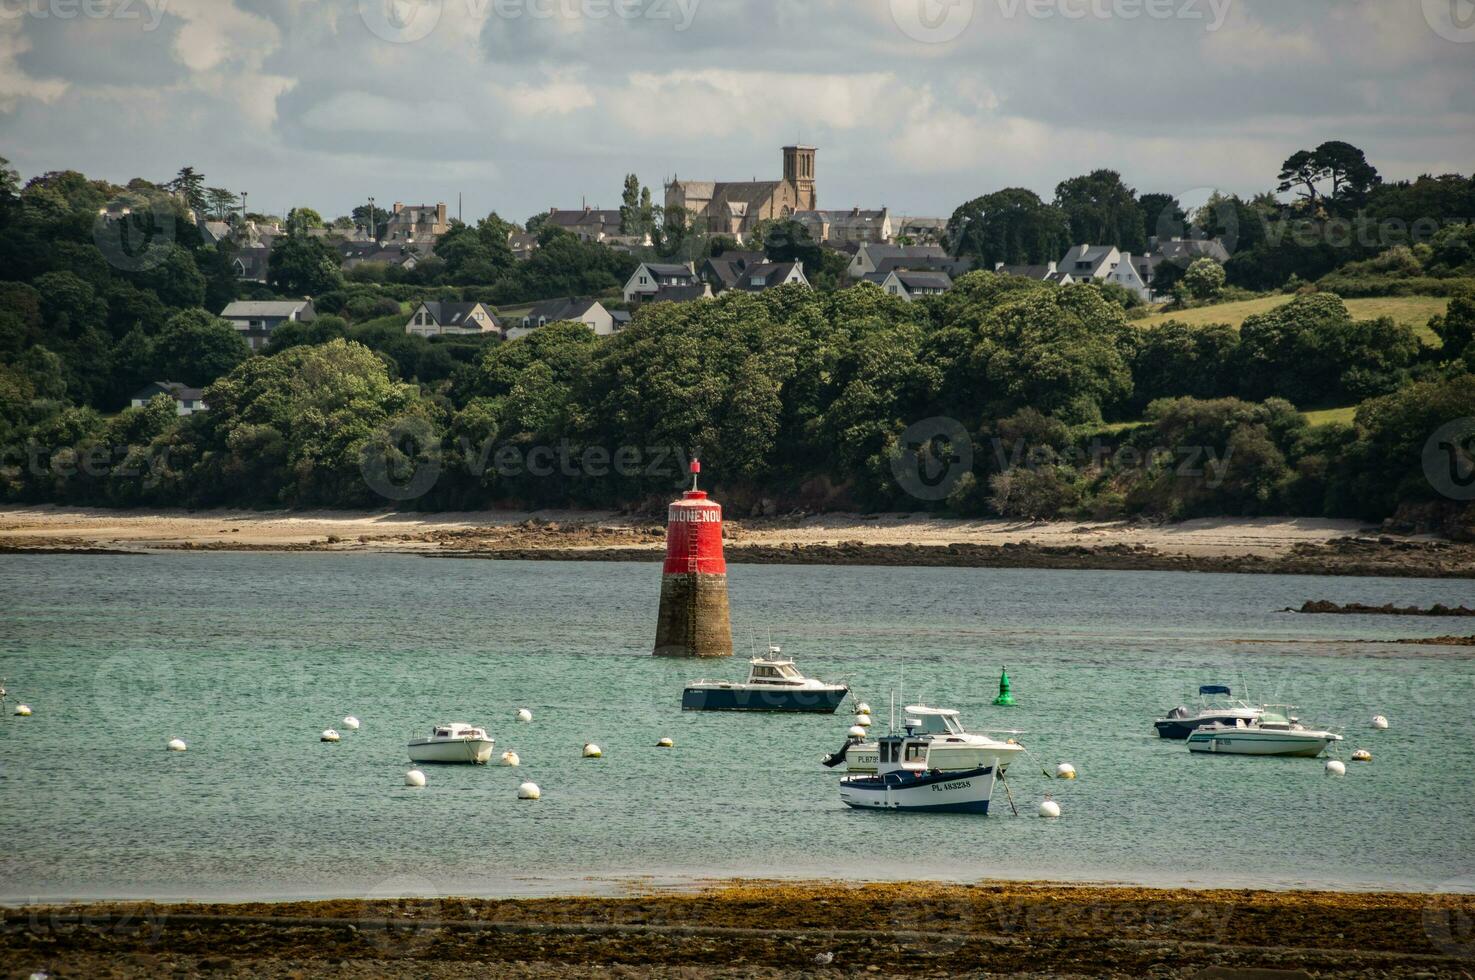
{"x":249,"y":657}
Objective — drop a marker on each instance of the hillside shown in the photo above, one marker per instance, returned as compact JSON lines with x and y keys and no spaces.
{"x":1414,"y":311}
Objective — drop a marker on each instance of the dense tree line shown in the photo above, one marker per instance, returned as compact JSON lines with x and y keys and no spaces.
{"x":809,"y":397}
{"x":1329,"y":208}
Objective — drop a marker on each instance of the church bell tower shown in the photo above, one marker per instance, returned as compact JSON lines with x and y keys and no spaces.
{"x":799,"y":171}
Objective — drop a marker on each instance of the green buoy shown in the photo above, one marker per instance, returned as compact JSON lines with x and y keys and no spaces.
{"x":1004,"y":698}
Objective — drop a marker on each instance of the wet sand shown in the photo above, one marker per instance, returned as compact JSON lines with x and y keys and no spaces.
{"x":763,"y":929}
{"x":1268,"y":545}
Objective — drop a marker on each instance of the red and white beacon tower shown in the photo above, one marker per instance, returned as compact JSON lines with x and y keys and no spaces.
{"x":694,"y":621}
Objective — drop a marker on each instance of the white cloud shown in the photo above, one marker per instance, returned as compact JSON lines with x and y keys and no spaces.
{"x":15,"y":84}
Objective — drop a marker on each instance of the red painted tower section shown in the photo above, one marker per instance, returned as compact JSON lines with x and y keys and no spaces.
{"x":693,"y":620}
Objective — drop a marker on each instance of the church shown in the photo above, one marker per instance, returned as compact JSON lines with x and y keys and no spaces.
{"x":734,"y":208}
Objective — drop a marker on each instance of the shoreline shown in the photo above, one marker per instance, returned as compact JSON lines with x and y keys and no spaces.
{"x":764,"y":928}
{"x":1234,"y":545}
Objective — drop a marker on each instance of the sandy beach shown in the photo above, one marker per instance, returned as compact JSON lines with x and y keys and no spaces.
{"x":1290,"y":545}
{"x":772,"y":930}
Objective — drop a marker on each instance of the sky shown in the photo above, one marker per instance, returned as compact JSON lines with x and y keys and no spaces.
{"x":917,"y":105}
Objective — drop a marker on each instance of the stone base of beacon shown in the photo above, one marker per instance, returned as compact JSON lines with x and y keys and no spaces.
{"x":693,"y":619}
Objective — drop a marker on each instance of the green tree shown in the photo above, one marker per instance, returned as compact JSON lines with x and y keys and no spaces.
{"x":196,"y":347}
{"x":1012,"y":226}
{"x":1204,"y":279}
{"x":1456,"y":326}
{"x":221,"y":203}
{"x":1102,"y":210}
{"x":302,"y":265}
{"x":190,"y":186}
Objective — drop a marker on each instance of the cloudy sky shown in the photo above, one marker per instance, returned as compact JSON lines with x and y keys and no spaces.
{"x":915,"y":104}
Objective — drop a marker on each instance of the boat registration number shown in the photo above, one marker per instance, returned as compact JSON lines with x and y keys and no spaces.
{"x":947,"y":787}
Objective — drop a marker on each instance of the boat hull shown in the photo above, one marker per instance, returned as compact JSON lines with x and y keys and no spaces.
{"x":820,"y":700}
{"x":1240,"y":742}
{"x":465,"y":751}
{"x":966,"y":791}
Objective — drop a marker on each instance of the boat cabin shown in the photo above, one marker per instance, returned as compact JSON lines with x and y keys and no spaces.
{"x":933,"y":721}
{"x":918,"y":753}
{"x":457,"y":729}
{"x":761,"y":671}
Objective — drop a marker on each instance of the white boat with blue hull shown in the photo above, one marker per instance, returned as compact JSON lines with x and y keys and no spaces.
{"x":773,"y":684}
{"x":921,"y":773}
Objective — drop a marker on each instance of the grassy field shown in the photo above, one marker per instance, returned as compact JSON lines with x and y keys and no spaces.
{"x":1327,"y":416}
{"x":1414,"y":311}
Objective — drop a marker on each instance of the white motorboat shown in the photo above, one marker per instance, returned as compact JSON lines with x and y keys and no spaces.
{"x":1270,"y":734}
{"x":456,"y":742}
{"x":925,"y":773}
{"x":1182,"y":721}
{"x":861,"y":756}
{"x":773,"y":684}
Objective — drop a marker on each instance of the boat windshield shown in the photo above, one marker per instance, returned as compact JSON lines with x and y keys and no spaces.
{"x":1273,"y":718}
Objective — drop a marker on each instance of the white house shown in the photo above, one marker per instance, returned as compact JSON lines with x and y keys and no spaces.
{"x":869,"y":256}
{"x":187,"y":400}
{"x":908,"y":285}
{"x":1049,"y":272}
{"x":433,"y":319}
{"x":590,"y":312}
{"x":256,"y":320}
{"x":1104,"y":263}
{"x":768,"y":275}
{"x":649,"y":278}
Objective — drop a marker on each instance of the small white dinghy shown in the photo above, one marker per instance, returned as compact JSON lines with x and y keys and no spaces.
{"x":457,"y":742}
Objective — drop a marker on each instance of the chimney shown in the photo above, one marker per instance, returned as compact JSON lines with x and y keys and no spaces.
{"x":440,"y":213}
{"x":398,"y":207}
{"x":855,"y":212}
{"x":1049,"y":267}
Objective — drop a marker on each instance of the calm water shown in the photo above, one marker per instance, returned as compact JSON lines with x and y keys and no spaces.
{"x":249,"y":657}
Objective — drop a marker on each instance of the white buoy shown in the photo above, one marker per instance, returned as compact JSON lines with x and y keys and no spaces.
{"x":592,"y":751}
{"x":1362,"y":755}
{"x":1049,"y":808}
{"x":856,"y":732}
{"x":23,"y":710}
{"x":177,"y":745}
{"x":415,"y":778}
{"x":510,"y":758}
{"x":1336,"y":768}
{"x":329,"y":735}
{"x":665,"y":743}
{"x":524,"y":714}
{"x":351,"y":723}
{"x":1380,"y":723}
{"x":1065,"y":771}
{"x":861,"y":708}
{"x":864,"y":721}
{"x":529,"y":791}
